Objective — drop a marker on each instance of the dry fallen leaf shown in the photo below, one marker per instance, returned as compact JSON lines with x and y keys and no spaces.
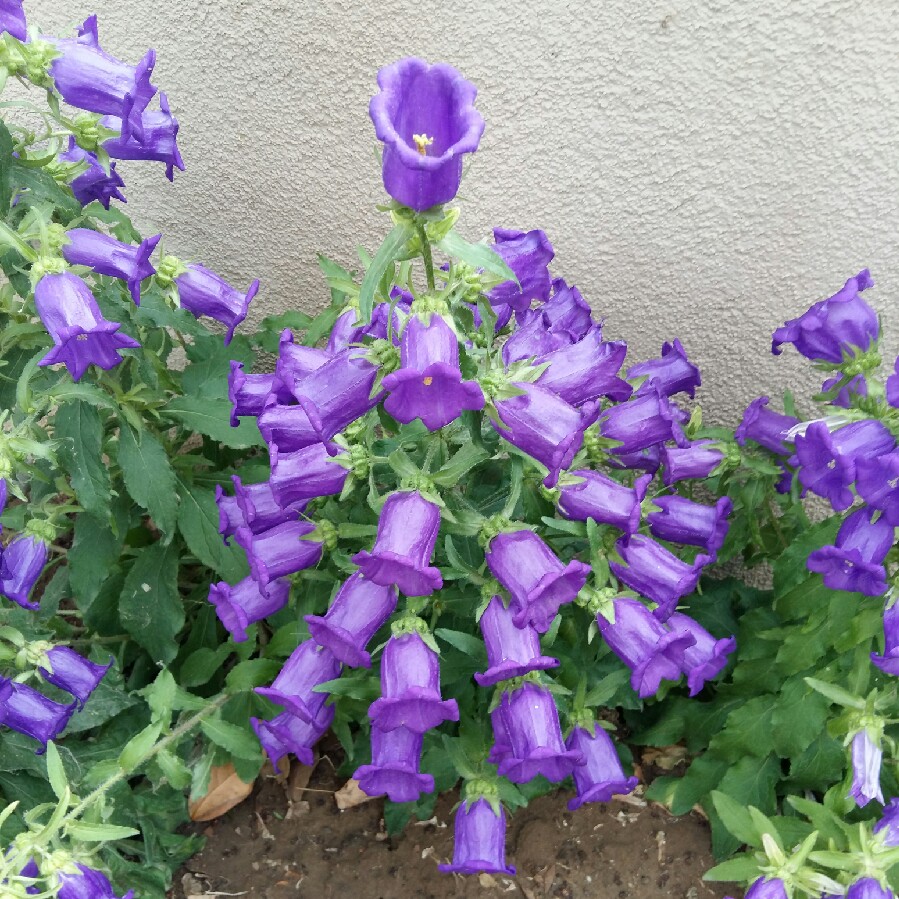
{"x":298,"y":781}
{"x":226,"y":790}
{"x":350,"y":795}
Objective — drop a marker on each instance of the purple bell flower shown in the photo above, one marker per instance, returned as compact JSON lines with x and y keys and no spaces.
{"x":535,"y":737}
{"x":231,"y":516}
{"x":287,"y":733}
{"x":203,"y":292}
{"x":279,"y":551}
{"x":695,"y":460}
{"x":601,"y":776}
{"x":877,"y":483}
{"x":604,"y":500}
{"x":243,"y":604}
{"x":88,"y":78}
{"x":479,"y":841}
{"x":108,"y":256}
{"x":12,"y":19}
{"x":866,"y":759}
{"x":544,"y":426}
{"x":707,"y":657}
{"x":767,"y":428}
{"x":648,"y":459}
{"x":260,"y":507}
{"x":28,"y":712}
{"x":2,"y":499}
{"x":857,"y":387}
{"x":672,"y":373}
{"x":656,"y":572}
{"x":827,"y":460}
{"x":159,"y":142}
{"x":294,"y":688}
{"x":889,"y":821}
{"x":536,"y":338}
{"x":249,"y":394}
{"x":566,"y":310}
{"x":680,"y":520}
{"x":394,"y":768}
{"x":307,"y":473}
{"x":892,"y":386}
{"x":87,"y":884}
{"x":586,"y":370}
{"x":869,"y":888}
{"x":856,"y":562}
{"x":410,"y":688}
{"x":357,"y":612}
{"x":645,"y":645}
{"x":538,"y":581}
{"x":21,"y":564}
{"x":767,"y":889}
{"x":31,"y":869}
{"x":73,"y":673}
{"x":407,"y":532}
{"x":81,"y":335}
{"x":348,"y":329}
{"x":643,"y":421}
{"x":425,"y":116}
{"x":295,"y":361}
{"x":502,"y":742}
{"x":528,"y":254}
{"x":429,"y":384}
{"x":94,"y":183}
{"x":889,"y":661}
{"x":833,"y":327}
{"x":512,"y":651}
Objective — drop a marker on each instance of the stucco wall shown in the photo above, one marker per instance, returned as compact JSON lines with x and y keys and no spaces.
{"x":704,"y":169}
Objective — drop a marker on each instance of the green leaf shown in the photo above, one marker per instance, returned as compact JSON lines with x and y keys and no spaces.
{"x":198,"y":521}
{"x":790,"y":568}
{"x":150,"y":607}
{"x":212,"y":418}
{"x":743,"y":868}
{"x":750,"y":781}
{"x":237,"y":741}
{"x":462,"y":461}
{"x":251,"y":673}
{"x":820,"y":764}
{"x":799,"y":717}
{"x":56,"y":774}
{"x":104,"y":703}
{"x":138,"y":746}
{"x":149,"y":476}
{"x":465,"y":643}
{"x":836,"y":694}
{"x":737,"y":819}
{"x":389,"y":252}
{"x":6,"y":161}
{"x":80,"y":430}
{"x":68,"y":391}
{"x":175,"y":771}
{"x":477,"y":255}
{"x":203,"y":664}
{"x":99,"y":833}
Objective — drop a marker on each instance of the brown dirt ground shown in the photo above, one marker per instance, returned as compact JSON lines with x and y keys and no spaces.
{"x":289,"y":840}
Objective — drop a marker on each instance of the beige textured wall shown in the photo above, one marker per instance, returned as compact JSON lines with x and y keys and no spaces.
{"x":704,"y":169}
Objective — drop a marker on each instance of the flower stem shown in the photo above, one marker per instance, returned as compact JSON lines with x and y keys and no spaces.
{"x":426,"y":254}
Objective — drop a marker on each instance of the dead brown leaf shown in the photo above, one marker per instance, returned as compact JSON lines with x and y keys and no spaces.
{"x":226,"y":790}
{"x":298,"y":780}
{"x":350,"y":795}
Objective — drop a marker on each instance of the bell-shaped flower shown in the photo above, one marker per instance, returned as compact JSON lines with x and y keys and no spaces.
{"x":535,"y":737}
{"x":108,"y":256}
{"x":877,"y":483}
{"x":203,"y":292}
{"x":279,"y":551}
{"x":158,"y":143}
{"x":866,"y":759}
{"x":672,"y":373}
{"x":410,"y":688}
{"x":652,"y":652}
{"x":73,"y":673}
{"x":535,"y":576}
{"x":21,"y":564}
{"x":536,"y":337}
{"x":566,"y":310}
{"x":601,"y":776}
{"x":889,"y":821}
{"x":260,"y":507}
{"x":348,"y":329}
{"x":12,"y":20}
{"x":244,"y":603}
{"x":479,"y":840}
{"x":765,"y":427}
{"x":869,"y":888}
{"x":544,"y":426}
{"x":395,"y":766}
{"x":358,"y":610}
{"x":88,"y":78}
{"x":250,"y":393}
{"x":512,"y":651}
{"x":707,"y":657}
{"x":81,"y":336}
{"x":287,"y":733}
{"x":586,"y":370}
{"x":528,"y":254}
{"x":763,"y":888}
{"x":407,"y":532}
{"x":294,"y":688}
{"x":648,"y":459}
{"x":680,"y":520}
{"x":425,"y":117}
{"x":231,"y":516}
{"x":28,"y":712}
{"x":855,"y":563}
{"x":604,"y":499}
{"x":889,"y":661}
{"x":840,"y":325}
{"x":655,"y":572}
{"x":695,"y":460}
{"x":94,"y":183}
{"x":892,"y":385}
{"x":295,"y":361}
{"x":429,"y":384}
{"x":306,"y":473}
{"x":87,"y":883}
{"x":857,"y":387}
{"x":646,"y":419}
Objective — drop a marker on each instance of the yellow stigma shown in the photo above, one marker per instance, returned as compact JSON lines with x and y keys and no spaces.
{"x":428,"y":381}
{"x":422,"y":141}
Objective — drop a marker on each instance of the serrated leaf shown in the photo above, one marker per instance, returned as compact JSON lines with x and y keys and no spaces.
{"x":99,"y":833}
{"x":175,"y":771}
{"x":94,"y":551}
{"x":149,"y":476}
{"x":212,"y":418}
{"x":198,"y":521}
{"x":235,"y":740}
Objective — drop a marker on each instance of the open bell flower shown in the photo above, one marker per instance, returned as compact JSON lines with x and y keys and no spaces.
{"x":12,"y":19}
{"x":765,"y":888}
{"x":889,"y":661}
{"x":158,"y":142}
{"x":877,"y":483}
{"x":73,"y":673}
{"x":21,"y":564}
{"x":528,"y":254}
{"x":604,"y":499}
{"x":648,"y":418}
{"x":869,"y":888}
{"x":395,"y":766}
{"x":87,"y":883}
{"x":866,"y":760}
{"x":694,"y":460}
{"x":306,"y":473}
{"x":479,"y":840}
{"x":706,"y":657}
{"x":601,"y":776}
{"x":425,"y":117}
{"x":288,"y":733}
{"x":29,"y":712}
{"x":245,"y":603}
{"x":295,"y":361}
{"x":260,"y":506}
{"x":765,"y":427}
{"x":279,"y":551}
{"x":81,"y":336}
{"x":672,"y":372}
{"x":294,"y":688}
{"x":203,"y":292}
{"x":249,"y":394}
{"x":94,"y":183}
{"x":680,"y":520}
{"x":586,"y":370}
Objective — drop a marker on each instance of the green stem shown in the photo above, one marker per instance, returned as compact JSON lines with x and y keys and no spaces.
{"x":426,"y":254}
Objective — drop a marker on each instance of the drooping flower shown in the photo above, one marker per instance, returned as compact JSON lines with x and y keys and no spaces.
{"x":231,"y":516}
{"x":566,"y":310}
{"x":203,"y":292}
{"x":869,"y":888}
{"x":695,"y":460}
{"x":88,"y":883}
{"x":356,"y":613}
{"x":395,"y":766}
{"x":81,"y":335}
{"x":706,"y":657}
{"x":648,"y":418}
{"x":652,"y":652}
{"x":766,"y":427}
{"x":857,"y":387}
{"x":535,"y":337}
{"x":502,"y":746}
{"x":479,"y":840}
{"x":28,"y":712}
{"x":889,"y":821}
{"x":108,"y":256}
{"x":245,"y":603}
{"x":889,"y":661}
{"x":535,"y":576}
{"x":528,"y":254}
{"x":158,"y":143}
{"x":425,"y":117}
{"x":586,"y":370}
{"x":21,"y":564}
{"x":763,"y":888}
{"x":834,"y":327}
{"x":294,"y":688}
{"x":892,"y":385}
{"x":512,"y":651}
{"x":407,"y":532}
{"x":248,"y":394}
{"x":877,"y":483}
{"x":604,"y":499}
{"x":672,"y":373}
{"x":410,"y":688}
{"x":73,"y":673}
{"x":12,"y":20}
{"x":348,"y":329}
{"x":535,"y":737}
{"x":295,"y":361}
{"x":306,"y":473}
{"x":94,"y":183}
{"x":288,"y":733}
{"x":260,"y":507}
{"x":680,"y":520}
{"x":279,"y":551}
{"x":866,"y":759}
{"x":601,"y":776}
{"x":648,"y":459}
